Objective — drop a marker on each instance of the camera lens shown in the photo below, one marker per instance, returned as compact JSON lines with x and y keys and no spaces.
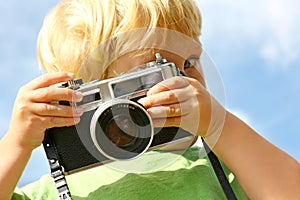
{"x":121,"y":129}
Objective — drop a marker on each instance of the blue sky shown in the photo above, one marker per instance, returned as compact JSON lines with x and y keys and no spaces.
{"x":255,"y":45}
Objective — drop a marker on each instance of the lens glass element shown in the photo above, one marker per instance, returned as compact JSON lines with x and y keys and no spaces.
{"x":122,"y":131}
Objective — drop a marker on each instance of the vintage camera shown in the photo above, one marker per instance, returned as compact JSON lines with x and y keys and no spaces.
{"x":114,"y":126}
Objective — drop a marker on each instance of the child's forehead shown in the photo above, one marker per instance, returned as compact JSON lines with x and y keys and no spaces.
{"x":165,"y":40}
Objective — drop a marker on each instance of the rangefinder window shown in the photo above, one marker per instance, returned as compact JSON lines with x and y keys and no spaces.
{"x":126,"y":87}
{"x":90,"y":98}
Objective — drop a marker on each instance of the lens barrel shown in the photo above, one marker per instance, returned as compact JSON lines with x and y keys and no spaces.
{"x":121,"y":129}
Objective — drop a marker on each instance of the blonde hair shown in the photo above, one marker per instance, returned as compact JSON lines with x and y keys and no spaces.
{"x":74,"y":29}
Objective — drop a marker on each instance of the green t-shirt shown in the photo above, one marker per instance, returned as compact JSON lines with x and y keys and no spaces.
{"x":190,"y":176}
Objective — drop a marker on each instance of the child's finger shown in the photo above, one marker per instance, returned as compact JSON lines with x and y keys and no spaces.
{"x":55,"y":110}
{"x":49,"y":94}
{"x":167,"y":122}
{"x":51,"y":122}
{"x":172,"y":110}
{"x":167,"y":97}
{"x":49,"y":79}
{"x":169,"y":84}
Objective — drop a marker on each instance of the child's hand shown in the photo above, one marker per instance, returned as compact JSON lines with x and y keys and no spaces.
{"x":182,"y":102}
{"x":33,"y":111}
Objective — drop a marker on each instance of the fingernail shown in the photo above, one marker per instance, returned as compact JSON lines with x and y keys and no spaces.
{"x":78,"y":110}
{"x":141,"y":101}
{"x":144,"y":102}
{"x":76,"y":120}
{"x":157,"y":111}
{"x":149,"y":92}
{"x":78,"y":96}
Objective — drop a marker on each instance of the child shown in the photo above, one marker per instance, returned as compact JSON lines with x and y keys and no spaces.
{"x":103,"y":39}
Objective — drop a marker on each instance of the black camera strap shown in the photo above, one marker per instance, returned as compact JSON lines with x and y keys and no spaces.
{"x":219,"y":172}
{"x":57,"y":171}
{"x":57,"y":174}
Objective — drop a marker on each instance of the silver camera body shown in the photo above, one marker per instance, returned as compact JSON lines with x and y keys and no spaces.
{"x":114,"y":126}
{"x":127,"y":86}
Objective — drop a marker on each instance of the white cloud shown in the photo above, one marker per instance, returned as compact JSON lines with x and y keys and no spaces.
{"x":272,"y":25}
{"x":283,"y":43}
